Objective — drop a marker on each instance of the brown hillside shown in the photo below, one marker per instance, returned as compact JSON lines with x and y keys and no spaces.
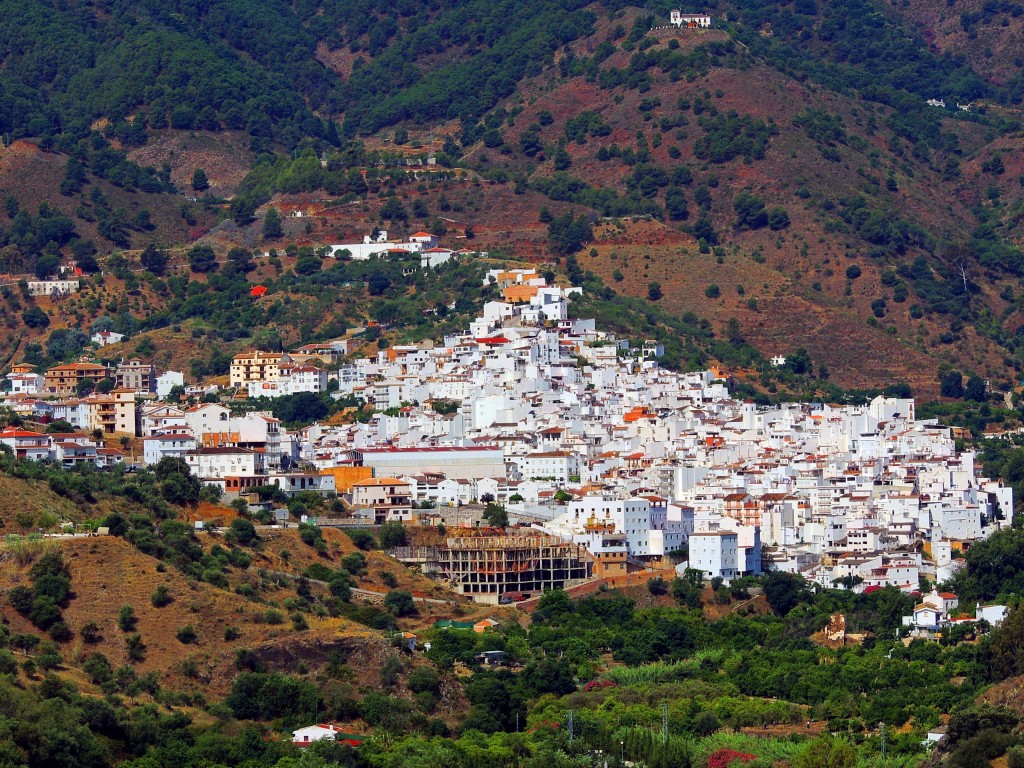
{"x":992,"y":44}
{"x":108,"y":573}
{"x":223,"y":156}
{"x":33,"y":176}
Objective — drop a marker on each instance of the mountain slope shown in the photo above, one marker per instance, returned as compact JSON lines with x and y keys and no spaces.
{"x":801,"y":184}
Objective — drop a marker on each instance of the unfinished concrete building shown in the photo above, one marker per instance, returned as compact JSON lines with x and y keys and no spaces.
{"x":487,"y":567}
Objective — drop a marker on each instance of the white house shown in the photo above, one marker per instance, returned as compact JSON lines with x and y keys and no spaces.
{"x":291,"y":380}
{"x":694,"y":20}
{"x":715,"y":553}
{"x":933,"y":612}
{"x":993,"y":614}
{"x":52,"y":287}
{"x":425,"y":239}
{"x":383,"y":499}
{"x":208,"y":417}
{"x":224,"y":462}
{"x":435,"y":257}
{"x":556,"y":465}
{"x":105,"y":338}
{"x":305,"y":736}
{"x":160,"y":419}
{"x":165,"y":382}
{"x":26,"y":383}
{"x":380,"y":245}
{"x":173,"y":445}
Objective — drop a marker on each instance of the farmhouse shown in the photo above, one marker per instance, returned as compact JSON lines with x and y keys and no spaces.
{"x":690,"y":20}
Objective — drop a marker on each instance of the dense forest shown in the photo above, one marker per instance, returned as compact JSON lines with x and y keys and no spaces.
{"x":253,"y":66}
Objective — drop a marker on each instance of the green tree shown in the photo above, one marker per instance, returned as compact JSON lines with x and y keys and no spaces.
{"x":750,"y":212}
{"x":244,"y":530}
{"x":675,"y":204}
{"x":154,"y":260}
{"x":272,"y":229}
{"x":783,"y":591}
{"x":496,"y":515}
{"x":240,"y":261}
{"x":393,"y":534}
{"x":567,"y":234}
{"x":201,"y":258}
{"x":126,"y":619}
{"x":975,"y":389}
{"x":399,"y":603}
{"x":161,"y":596}
{"x":951,"y":384}
{"x":301,"y":408}
{"x":199,"y":180}
{"x":778,"y":218}
{"x":34,"y":317}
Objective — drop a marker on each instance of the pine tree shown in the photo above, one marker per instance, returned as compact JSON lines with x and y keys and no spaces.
{"x":199,"y":180}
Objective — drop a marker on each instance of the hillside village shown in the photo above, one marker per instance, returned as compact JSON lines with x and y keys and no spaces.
{"x":608,"y":464}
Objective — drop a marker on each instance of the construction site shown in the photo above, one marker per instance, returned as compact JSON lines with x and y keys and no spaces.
{"x":487,"y":567}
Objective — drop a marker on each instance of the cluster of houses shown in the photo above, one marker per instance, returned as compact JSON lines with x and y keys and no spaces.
{"x":582,"y":436}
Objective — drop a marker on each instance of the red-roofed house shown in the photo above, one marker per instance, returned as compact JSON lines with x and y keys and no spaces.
{"x":427,"y":239}
{"x":26,"y":444}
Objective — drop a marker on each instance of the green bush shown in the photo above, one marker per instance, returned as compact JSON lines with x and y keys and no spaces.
{"x":187,"y":634}
{"x":161,"y":596}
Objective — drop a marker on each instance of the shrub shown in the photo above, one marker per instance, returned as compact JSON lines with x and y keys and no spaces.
{"x":8,"y":664}
{"x":126,"y":619}
{"x":362,"y":539}
{"x":161,"y":596}
{"x":232,"y":633}
{"x":853,"y":272}
{"x":244,"y":530}
{"x":272,"y":616}
{"x":424,"y":680}
{"x":390,"y":670}
{"x":256,"y":695}
{"x":354,"y":562}
{"x":98,"y":668}
{"x":44,"y":613}
{"x":399,"y":602}
{"x":21,"y":599}
{"x":136,"y":648}
{"x":90,"y":632}
{"x":393,"y":534}
{"x":61,"y":632}
{"x":187,"y":634}
{"x":318,"y":572}
{"x":778,"y":218}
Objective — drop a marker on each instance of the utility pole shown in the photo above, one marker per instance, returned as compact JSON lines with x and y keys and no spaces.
{"x":882,"y":727}
{"x":664,"y":723}
{"x":571,"y":724}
